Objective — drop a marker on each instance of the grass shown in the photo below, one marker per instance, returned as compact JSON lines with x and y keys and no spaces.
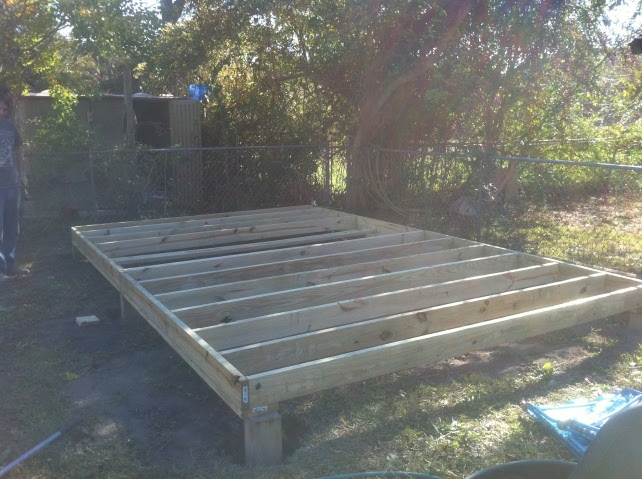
{"x":448,"y":419}
{"x":602,"y":232}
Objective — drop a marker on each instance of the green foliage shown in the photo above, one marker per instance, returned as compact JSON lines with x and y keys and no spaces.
{"x":27,"y":44}
{"x":633,"y":359}
{"x":120,"y":30}
{"x":61,"y":131}
{"x":547,"y":371}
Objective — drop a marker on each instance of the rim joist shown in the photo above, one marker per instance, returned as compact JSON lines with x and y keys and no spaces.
{"x":268,"y":305}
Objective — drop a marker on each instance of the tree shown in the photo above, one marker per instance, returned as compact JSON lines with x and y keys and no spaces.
{"x":171,"y":11}
{"x":122,"y":32}
{"x":28,"y":33}
{"x":392,"y":74}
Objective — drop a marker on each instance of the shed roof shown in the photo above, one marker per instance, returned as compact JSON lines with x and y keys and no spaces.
{"x":137,"y":96}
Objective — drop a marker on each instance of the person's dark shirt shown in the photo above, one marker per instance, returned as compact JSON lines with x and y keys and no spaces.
{"x":10,"y":139}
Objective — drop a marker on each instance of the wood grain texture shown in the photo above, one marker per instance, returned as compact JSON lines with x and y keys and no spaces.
{"x":388,"y":260}
{"x":219,"y":374}
{"x":92,"y":229}
{"x":287,"y":323}
{"x":200,"y":253}
{"x":275,"y":254}
{"x":223,"y":236}
{"x":268,"y":355}
{"x":302,"y":379}
{"x":270,"y":303}
{"x":201,"y":226}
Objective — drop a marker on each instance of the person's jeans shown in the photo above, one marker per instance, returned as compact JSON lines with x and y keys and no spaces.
{"x":9,"y":228}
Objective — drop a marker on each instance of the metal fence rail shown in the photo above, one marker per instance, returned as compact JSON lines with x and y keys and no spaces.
{"x":579,"y":206}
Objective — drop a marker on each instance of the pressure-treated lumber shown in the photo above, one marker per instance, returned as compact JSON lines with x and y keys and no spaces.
{"x":356,"y":366}
{"x":229,"y":275}
{"x":185,"y":223}
{"x":287,"y":323}
{"x":219,"y":374}
{"x":269,"y":305}
{"x":313,"y":277}
{"x":174,"y":256}
{"x":301,"y":348}
{"x":222,"y":236}
{"x":201,"y":226}
{"x":278,"y":253}
{"x":89,"y":229}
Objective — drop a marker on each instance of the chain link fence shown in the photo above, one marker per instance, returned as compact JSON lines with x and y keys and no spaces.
{"x":580,"y":210}
{"x":571,"y":201}
{"x":127,"y":185}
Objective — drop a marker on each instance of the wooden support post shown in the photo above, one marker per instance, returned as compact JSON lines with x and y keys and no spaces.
{"x":635,"y":319}
{"x":263,"y":439}
{"x":127,"y":311}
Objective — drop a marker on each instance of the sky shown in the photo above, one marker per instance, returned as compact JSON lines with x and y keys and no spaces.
{"x":621,"y":18}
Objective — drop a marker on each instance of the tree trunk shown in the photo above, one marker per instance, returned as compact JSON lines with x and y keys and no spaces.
{"x":130,"y":115}
{"x":171,"y":10}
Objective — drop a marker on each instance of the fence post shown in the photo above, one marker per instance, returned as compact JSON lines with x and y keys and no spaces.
{"x":165,"y":183}
{"x":326,"y":185}
{"x":423,"y":176}
{"x":92,"y":181}
{"x":479,"y":206}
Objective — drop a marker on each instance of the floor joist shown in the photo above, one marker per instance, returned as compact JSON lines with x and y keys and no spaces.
{"x":268,"y":305}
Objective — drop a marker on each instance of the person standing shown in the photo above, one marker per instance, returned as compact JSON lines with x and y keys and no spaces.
{"x":13,"y":179}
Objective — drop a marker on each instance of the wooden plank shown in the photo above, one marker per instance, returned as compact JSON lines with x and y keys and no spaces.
{"x":271,"y":256}
{"x":175,"y":256}
{"x":288,"y":323}
{"x":222,"y":237}
{"x":300,"y":273}
{"x":199,"y":226}
{"x":382,"y":227}
{"x":571,"y":269}
{"x":219,"y":374}
{"x":89,"y":229}
{"x":308,"y":278}
{"x":275,"y":354}
{"x":236,"y":309}
{"x":301,"y":379}
{"x":269,"y":270}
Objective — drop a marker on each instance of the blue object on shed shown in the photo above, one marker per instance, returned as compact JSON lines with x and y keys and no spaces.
{"x":199,"y":92}
{"x":577,"y":423}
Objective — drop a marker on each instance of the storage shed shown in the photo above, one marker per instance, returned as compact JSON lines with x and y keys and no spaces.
{"x":162,"y":121}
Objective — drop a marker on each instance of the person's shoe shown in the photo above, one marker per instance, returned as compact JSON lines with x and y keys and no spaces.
{"x":4,"y":278}
{"x":17,"y":271}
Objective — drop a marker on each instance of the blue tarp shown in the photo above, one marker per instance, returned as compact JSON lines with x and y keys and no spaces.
{"x":576,"y":423}
{"x":199,"y":92}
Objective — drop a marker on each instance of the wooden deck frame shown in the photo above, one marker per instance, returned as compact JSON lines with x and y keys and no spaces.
{"x":268,"y":305}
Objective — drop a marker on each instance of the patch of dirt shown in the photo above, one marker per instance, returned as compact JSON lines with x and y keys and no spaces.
{"x":158,"y":403}
{"x":128,"y":382}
